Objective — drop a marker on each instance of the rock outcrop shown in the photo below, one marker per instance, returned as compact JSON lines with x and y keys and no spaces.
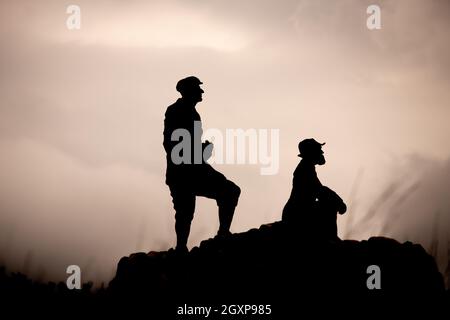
{"x":273,"y":265}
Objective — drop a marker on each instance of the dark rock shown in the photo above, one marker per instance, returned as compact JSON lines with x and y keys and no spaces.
{"x":273,"y":264}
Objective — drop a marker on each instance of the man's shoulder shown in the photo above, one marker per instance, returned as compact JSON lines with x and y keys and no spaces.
{"x":172,"y":107}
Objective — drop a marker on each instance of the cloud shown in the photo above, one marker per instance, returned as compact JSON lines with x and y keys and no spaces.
{"x":144,"y":24}
{"x":66,"y":212}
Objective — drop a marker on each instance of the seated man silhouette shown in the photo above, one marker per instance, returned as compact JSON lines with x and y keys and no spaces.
{"x":311,"y":204}
{"x":188,"y":174}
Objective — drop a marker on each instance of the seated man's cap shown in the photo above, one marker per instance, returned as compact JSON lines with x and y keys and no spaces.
{"x":309,"y":145}
{"x":188,"y":83}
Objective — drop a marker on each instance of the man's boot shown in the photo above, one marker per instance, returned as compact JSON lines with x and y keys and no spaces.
{"x":182,"y":229}
{"x":226,"y":214}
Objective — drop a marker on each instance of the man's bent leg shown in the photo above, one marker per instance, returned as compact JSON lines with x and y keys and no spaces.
{"x":213,"y":184}
{"x":227,"y":201}
{"x":184,"y":205}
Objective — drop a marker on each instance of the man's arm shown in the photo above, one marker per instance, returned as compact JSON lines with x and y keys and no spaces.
{"x":168,"y":129}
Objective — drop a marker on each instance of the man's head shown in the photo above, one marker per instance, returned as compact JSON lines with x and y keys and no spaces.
{"x":311,"y":150}
{"x":190,"y":89}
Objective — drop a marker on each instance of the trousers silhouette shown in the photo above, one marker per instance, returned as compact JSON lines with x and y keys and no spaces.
{"x":209,"y":183}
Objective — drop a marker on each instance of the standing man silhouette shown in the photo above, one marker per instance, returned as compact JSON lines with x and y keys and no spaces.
{"x":193,"y":176}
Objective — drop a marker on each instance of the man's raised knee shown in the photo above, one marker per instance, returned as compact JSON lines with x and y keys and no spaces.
{"x":233,"y":192}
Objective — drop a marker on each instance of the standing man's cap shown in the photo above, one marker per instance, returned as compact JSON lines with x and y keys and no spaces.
{"x":188,"y":83}
{"x":309,"y":145}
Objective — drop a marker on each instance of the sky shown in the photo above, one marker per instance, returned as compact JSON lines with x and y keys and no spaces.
{"x":81,"y":118}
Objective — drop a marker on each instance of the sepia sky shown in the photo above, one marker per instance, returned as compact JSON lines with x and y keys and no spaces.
{"x":81,"y":118}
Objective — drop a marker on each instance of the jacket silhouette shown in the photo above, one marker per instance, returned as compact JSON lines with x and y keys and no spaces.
{"x":192,"y":176}
{"x":311,"y":204}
